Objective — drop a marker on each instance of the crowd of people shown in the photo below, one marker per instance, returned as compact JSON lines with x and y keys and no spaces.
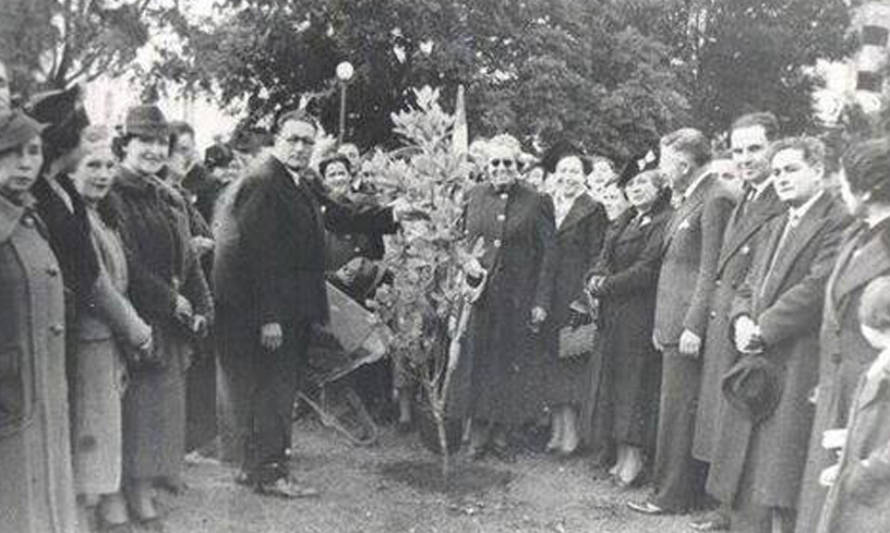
{"x":714,"y":323}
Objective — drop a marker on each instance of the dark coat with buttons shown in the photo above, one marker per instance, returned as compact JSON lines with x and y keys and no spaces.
{"x":626,"y":391}
{"x":844,"y":353}
{"x":784,"y":296}
{"x":342,"y":246}
{"x":503,"y":357}
{"x":718,"y":351}
{"x":37,"y":492}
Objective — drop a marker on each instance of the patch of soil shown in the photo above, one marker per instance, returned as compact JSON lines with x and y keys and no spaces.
{"x":463,"y":479}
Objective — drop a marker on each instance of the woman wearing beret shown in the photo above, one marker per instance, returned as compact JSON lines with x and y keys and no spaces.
{"x":580,"y":227}
{"x":845,"y":354}
{"x":504,"y":344}
{"x":103,"y":329}
{"x":624,"y":280}
{"x":168,"y":289}
{"x":37,"y":491}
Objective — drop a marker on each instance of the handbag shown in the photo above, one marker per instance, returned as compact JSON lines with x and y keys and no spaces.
{"x":579,"y":336}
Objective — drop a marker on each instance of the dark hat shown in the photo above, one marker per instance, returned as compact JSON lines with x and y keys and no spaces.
{"x":639,"y":163}
{"x":147,"y":120}
{"x":217,"y":155}
{"x":335,"y":158}
{"x":560,"y":150}
{"x":17,"y":128}
{"x":753,"y":387}
{"x":63,"y":113}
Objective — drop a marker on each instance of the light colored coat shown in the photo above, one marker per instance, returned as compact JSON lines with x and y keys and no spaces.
{"x":37,"y":490}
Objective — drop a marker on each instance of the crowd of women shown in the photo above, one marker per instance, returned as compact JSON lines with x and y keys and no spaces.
{"x":717,"y":324}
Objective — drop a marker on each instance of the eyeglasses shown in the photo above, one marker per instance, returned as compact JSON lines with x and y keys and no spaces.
{"x":307,"y":141}
{"x":506,"y":163}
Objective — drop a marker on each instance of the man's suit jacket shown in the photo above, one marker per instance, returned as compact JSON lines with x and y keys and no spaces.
{"x":784,"y":297}
{"x":281,"y":239}
{"x":691,"y":247}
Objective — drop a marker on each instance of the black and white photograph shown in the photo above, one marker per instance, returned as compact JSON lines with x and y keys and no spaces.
{"x":444,"y":266}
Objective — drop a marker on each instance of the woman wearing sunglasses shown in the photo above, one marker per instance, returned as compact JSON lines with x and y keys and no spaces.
{"x":516,"y":226}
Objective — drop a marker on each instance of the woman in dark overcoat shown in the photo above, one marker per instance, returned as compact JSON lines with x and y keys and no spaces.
{"x":624,"y":280}
{"x":37,"y":488}
{"x":503,"y":340}
{"x":844,"y":352}
{"x":169,"y":291}
{"x":580,"y":227}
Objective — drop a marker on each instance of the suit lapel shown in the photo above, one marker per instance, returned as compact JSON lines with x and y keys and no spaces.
{"x":764,"y":209}
{"x":797,"y":240}
{"x":686,"y":209}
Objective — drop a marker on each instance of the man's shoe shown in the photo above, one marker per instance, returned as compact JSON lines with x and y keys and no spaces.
{"x":713,"y":521}
{"x":286,"y":488}
{"x":647,"y":507}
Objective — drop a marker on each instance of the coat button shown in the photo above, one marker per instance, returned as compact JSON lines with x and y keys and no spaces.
{"x":718,"y":283}
{"x":713,"y":314}
{"x":52,"y":271}
{"x":502,"y":217}
{"x":28,"y":221}
{"x":497,"y":243}
{"x":323,"y":209}
{"x":57,"y":329}
{"x":503,"y":196}
{"x":357,"y":249}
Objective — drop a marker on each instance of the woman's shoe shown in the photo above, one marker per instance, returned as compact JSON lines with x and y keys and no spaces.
{"x":112,"y":512}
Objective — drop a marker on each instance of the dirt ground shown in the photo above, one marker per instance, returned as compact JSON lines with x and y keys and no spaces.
{"x":393,"y":487}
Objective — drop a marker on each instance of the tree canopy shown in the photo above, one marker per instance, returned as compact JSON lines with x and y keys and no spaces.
{"x":610,"y":75}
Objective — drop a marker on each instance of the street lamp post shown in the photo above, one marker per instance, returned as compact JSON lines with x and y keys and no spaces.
{"x":344,"y":74}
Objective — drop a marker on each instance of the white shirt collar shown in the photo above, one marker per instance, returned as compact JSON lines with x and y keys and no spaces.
{"x":797,"y":213}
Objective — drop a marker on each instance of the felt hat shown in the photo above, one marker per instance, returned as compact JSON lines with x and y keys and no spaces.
{"x":560,"y":150}
{"x":753,"y":386}
{"x":641,"y":162}
{"x":146,"y":120}
{"x":17,"y":128}
{"x":63,"y":113}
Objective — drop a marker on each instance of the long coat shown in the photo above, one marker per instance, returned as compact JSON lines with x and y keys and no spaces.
{"x":154,"y":227}
{"x":785,"y":299}
{"x":844,"y":353}
{"x":578,"y":242}
{"x":859,"y":500}
{"x":718,"y":351}
{"x":37,"y":491}
{"x":263,"y":274}
{"x":108,"y":320}
{"x":503,"y":369}
{"x":624,"y":394}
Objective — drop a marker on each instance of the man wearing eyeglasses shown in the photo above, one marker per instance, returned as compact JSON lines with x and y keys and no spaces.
{"x":270,"y":288}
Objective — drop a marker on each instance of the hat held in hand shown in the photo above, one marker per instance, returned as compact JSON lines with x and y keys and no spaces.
{"x":146,"y":121}
{"x":753,"y":387}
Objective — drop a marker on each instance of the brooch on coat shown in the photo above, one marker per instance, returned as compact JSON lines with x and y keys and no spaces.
{"x":645,"y":221}
{"x":745,"y":250}
{"x":684,"y":225}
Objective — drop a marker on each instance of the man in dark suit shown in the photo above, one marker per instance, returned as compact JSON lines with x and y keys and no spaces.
{"x":758,"y":461}
{"x":691,"y":247}
{"x":280,"y":282}
{"x":750,"y":136}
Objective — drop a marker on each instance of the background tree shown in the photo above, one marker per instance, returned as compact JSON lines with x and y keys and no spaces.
{"x":743,"y":55}
{"x":55,"y":43}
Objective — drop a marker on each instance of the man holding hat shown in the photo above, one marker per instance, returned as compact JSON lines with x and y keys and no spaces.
{"x":776,"y":316}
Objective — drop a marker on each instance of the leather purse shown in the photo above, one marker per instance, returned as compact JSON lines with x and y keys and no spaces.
{"x":579,"y":336}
